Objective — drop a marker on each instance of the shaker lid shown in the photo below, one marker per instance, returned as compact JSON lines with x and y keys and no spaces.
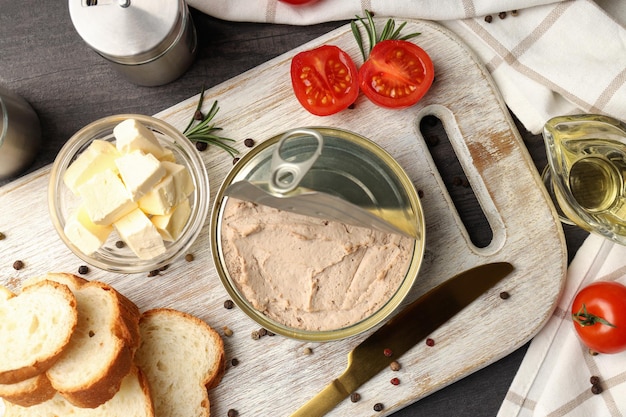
{"x":128,"y":31}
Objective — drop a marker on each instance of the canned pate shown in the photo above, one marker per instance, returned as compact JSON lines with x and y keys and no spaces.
{"x":304,"y":273}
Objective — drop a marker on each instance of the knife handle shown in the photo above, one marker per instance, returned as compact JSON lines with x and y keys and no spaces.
{"x":324,"y":401}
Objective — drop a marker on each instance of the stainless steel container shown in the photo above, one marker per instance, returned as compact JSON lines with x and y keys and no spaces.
{"x":350,"y":167}
{"x":20,"y":134}
{"x":150,"y":42}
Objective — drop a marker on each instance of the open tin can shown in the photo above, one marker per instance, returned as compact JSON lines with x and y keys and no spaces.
{"x":149,"y":42}
{"x":351,"y":168}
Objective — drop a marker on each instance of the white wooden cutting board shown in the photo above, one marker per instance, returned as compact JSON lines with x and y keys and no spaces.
{"x":274,"y":375}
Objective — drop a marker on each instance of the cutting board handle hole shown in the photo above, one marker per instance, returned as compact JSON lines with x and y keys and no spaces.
{"x":456,"y":181}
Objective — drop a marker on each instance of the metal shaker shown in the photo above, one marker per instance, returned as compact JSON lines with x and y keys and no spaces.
{"x":20,"y":134}
{"x":150,"y":42}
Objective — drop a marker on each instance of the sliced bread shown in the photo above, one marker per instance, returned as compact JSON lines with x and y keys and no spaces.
{"x":35,"y":329}
{"x":100,"y":352}
{"x":27,"y":393}
{"x":182,"y":358}
{"x":132,"y":400}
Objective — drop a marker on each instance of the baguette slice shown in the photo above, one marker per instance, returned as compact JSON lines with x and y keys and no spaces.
{"x":132,"y":400}
{"x":182,"y":358}
{"x":100,"y":354}
{"x":35,"y":328}
{"x":27,"y":393}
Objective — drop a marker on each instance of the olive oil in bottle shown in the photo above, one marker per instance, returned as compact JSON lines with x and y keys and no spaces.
{"x":587,"y":156}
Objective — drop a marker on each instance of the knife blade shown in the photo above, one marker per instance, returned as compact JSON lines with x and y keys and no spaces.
{"x":402,"y":332}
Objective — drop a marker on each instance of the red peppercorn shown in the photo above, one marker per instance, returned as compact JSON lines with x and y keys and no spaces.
{"x":430,"y":342}
{"x":395,"y":381}
{"x":387,"y":352}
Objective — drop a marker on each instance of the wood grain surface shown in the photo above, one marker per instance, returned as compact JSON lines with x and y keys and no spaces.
{"x":274,"y":374}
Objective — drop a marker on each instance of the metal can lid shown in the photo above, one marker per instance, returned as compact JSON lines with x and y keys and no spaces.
{"x":352,"y":180}
{"x":128,"y":31}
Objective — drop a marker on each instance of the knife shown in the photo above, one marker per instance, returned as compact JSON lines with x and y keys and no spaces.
{"x":414,"y":323}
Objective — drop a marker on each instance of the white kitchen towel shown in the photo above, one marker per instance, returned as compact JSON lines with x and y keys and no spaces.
{"x":549,"y":58}
{"x":554,"y":377}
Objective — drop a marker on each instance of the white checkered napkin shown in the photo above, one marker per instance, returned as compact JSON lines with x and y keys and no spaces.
{"x":554,"y":378}
{"x":554,"y":57}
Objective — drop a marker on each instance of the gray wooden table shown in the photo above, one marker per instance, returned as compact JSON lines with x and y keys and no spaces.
{"x":43,"y":59}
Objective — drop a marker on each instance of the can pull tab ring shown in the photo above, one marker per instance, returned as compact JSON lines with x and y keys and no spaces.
{"x":284,"y":175}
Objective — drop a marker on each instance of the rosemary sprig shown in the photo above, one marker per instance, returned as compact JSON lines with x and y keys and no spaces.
{"x":204,"y":130}
{"x":389,"y":32}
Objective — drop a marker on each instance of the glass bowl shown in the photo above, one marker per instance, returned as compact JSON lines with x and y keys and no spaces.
{"x":62,"y":202}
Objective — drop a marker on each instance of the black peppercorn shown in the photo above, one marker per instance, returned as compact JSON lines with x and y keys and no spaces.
{"x":504,"y":295}
{"x":379,"y":407}
{"x":228,"y":304}
{"x":234,"y":362}
{"x":120,"y":244}
{"x":594,"y":380}
{"x":235,"y":160}
{"x":189,"y":257}
{"x":83,"y":269}
{"x":488,"y":18}
{"x":17,"y":265}
{"x":596,"y":389}
{"x":201,"y":146}
{"x":249,"y":142}
{"x":502,"y":15}
{"x":355,"y":397}
{"x":232,"y":413}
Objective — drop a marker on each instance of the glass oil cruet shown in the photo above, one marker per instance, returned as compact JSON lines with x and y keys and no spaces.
{"x":586,"y":174}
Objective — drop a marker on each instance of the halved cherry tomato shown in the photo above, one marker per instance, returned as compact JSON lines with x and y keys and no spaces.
{"x":397,"y":74}
{"x":324,"y":80}
{"x":599,"y":314}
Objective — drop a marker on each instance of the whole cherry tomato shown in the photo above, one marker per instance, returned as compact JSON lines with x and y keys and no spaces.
{"x":599,"y":314}
{"x":324,"y":80}
{"x":297,"y":1}
{"x":396,"y":74}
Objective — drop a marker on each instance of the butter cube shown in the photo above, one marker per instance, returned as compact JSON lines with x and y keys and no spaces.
{"x":105,"y":198}
{"x":99,"y":156}
{"x":168,"y":155}
{"x":140,"y":235}
{"x":174,"y":188}
{"x":131,"y":136}
{"x":140,"y":172}
{"x":171,"y":225}
{"x":84,"y":234}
